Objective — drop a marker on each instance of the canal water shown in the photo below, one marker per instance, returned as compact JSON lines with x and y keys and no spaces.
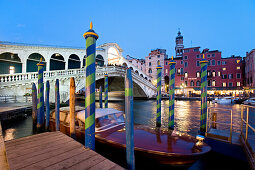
{"x":187,"y":117}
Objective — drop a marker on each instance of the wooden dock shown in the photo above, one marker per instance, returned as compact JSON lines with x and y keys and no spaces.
{"x":53,"y":150}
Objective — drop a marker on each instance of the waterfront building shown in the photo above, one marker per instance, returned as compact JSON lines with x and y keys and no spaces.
{"x":250,"y":69}
{"x":139,"y":63}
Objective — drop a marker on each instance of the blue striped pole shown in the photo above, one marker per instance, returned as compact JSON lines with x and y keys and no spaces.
{"x":47,"y":101}
{"x":106,"y":90}
{"x":40,"y":97}
{"x":171,"y":94}
{"x":57,"y":105}
{"x":34,"y":106}
{"x":90,"y":109}
{"x":100,"y":97}
{"x":203,"y":64}
{"x":129,"y":120}
{"x":158,"y":118}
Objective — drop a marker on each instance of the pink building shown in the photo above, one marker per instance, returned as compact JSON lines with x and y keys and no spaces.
{"x":250,"y":68}
{"x":139,"y":63}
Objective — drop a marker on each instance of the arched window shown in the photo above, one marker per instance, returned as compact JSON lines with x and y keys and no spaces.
{"x":33,"y":60}
{"x":213,"y":83}
{"x":10,"y":63}
{"x":57,"y":62}
{"x":74,"y":62}
{"x":150,"y":71}
{"x":198,"y":83}
{"x":191,"y":83}
{"x":213,"y":73}
{"x":99,"y":60}
{"x":213,"y":62}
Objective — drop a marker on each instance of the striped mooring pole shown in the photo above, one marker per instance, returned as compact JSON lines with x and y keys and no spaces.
{"x":106,"y":90}
{"x":47,"y":101}
{"x":100,"y":97}
{"x":158,"y":118}
{"x":57,"y":105}
{"x":34,"y":106}
{"x":90,"y":107}
{"x":72,"y":108}
{"x":40,"y":97}
{"x":129,"y":120}
{"x":171,"y":94}
{"x":203,"y":64}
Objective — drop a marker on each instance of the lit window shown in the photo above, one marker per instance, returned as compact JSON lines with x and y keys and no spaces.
{"x":213,"y":73}
{"x":237,"y":61}
{"x":186,"y":75}
{"x":198,"y":74}
{"x":213,"y":83}
{"x":238,"y":68}
{"x":166,"y":71}
{"x":224,"y":69}
{"x":12,"y":69}
{"x":238,"y":84}
{"x":179,"y":70}
{"x":224,"y":84}
{"x":218,"y":73}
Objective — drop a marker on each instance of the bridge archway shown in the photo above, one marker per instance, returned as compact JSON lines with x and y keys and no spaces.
{"x":74,"y":62}
{"x":113,"y":56}
{"x":136,"y":72}
{"x":99,"y":60}
{"x":32,"y":61}
{"x":10,"y":63}
{"x":57,"y":62}
{"x":141,"y":75}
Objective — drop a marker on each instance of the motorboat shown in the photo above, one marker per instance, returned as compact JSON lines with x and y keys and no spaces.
{"x":250,"y":101}
{"x":168,"y":147}
{"x":224,"y":100}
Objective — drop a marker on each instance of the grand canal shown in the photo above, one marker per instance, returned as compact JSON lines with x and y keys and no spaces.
{"x":187,"y":117}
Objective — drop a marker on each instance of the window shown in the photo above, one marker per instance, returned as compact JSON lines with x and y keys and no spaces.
{"x":213,"y":83}
{"x":209,"y":62}
{"x":208,"y":73}
{"x":12,"y":69}
{"x":238,"y":68}
{"x":150,"y":71}
{"x":149,"y":58}
{"x":213,"y":62}
{"x":186,"y":83}
{"x":191,"y":83}
{"x":198,"y":63}
{"x":224,"y":62}
{"x":230,"y":76}
{"x":230,"y":84}
{"x":213,"y":55}
{"x":158,"y":56}
{"x":185,"y":57}
{"x":198,"y":83}
{"x":182,"y":71}
{"x":218,"y":73}
{"x":224,"y":76}
{"x":218,"y":63}
{"x":197,"y":56}
{"x":208,"y":55}
{"x":213,"y":73}
{"x":181,"y":62}
{"x":224,"y":69}
{"x":179,"y":70}
{"x":238,"y":75}
{"x":224,"y":84}
{"x":209,"y":82}
{"x":186,"y":75}
{"x":182,"y":78}
{"x":198,"y":74}
{"x":158,"y":62}
{"x":202,"y":56}
{"x":238,"y":84}
{"x":166,"y":71}
{"x":237,"y":61}
{"x":166,"y":63}
{"x":149,"y":63}
{"x":196,"y":49}
{"x":186,"y":64}
{"x":186,"y":50}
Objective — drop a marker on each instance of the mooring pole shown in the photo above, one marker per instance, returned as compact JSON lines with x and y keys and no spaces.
{"x":34,"y":106}
{"x":90,"y":107}
{"x":158,"y":118}
{"x":47,"y":101}
{"x":72,"y":108}
{"x":40,"y":97}
{"x":171,"y":94}
{"x":106,"y":90}
{"x":57,"y":105}
{"x":129,"y":120}
{"x":100,"y":97}
{"x":203,"y":118}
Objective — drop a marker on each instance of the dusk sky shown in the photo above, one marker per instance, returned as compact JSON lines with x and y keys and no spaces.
{"x":137,"y":26}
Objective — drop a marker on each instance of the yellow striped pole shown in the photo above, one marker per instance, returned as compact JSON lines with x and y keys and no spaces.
{"x":171,"y":94}
{"x":106,"y":90}
{"x":158,"y":117}
{"x":40,"y":97}
{"x":90,"y":107}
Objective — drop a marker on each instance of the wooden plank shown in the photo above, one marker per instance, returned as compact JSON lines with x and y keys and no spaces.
{"x":116,"y":167}
{"x":104,"y":165}
{"x":72,"y":160}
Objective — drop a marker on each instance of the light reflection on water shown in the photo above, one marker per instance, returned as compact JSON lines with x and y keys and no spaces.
{"x":187,"y":117}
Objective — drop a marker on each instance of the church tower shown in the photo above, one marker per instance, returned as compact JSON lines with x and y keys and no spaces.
{"x":179,"y":45}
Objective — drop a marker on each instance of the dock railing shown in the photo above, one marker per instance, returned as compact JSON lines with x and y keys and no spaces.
{"x":248,"y":141}
{"x":217,"y":134}
{"x":15,"y":99}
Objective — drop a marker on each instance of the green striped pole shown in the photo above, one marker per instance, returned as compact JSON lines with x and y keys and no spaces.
{"x":171,"y":94}
{"x":90,"y":107}
{"x":40,"y":97}
{"x":129,"y":120}
{"x":34,"y":106}
{"x":158,"y":118}
{"x":106,"y":90}
{"x":100,"y":97}
{"x":57,"y":105}
{"x":47,"y":101}
{"x":203,"y":64}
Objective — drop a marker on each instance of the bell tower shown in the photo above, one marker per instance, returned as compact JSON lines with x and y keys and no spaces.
{"x":179,"y":44}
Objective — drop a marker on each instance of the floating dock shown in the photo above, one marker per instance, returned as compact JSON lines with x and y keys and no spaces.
{"x":53,"y":150}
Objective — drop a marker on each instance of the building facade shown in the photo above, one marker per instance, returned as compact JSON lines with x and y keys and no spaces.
{"x":250,"y":69}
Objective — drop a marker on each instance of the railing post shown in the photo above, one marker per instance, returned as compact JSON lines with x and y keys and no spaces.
{"x":106,"y":90}
{"x":72,"y":108}
{"x":129,"y":121}
{"x":47,"y":101}
{"x":158,"y":116}
{"x":40,"y":97}
{"x":203,"y":118}
{"x":171,"y":94}
{"x":57,"y":105}
{"x":90,"y":109}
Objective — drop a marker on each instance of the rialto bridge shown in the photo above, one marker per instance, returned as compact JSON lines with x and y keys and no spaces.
{"x":18,"y":68}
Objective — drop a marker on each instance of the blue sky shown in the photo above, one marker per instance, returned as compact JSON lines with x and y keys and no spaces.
{"x":137,"y":26}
